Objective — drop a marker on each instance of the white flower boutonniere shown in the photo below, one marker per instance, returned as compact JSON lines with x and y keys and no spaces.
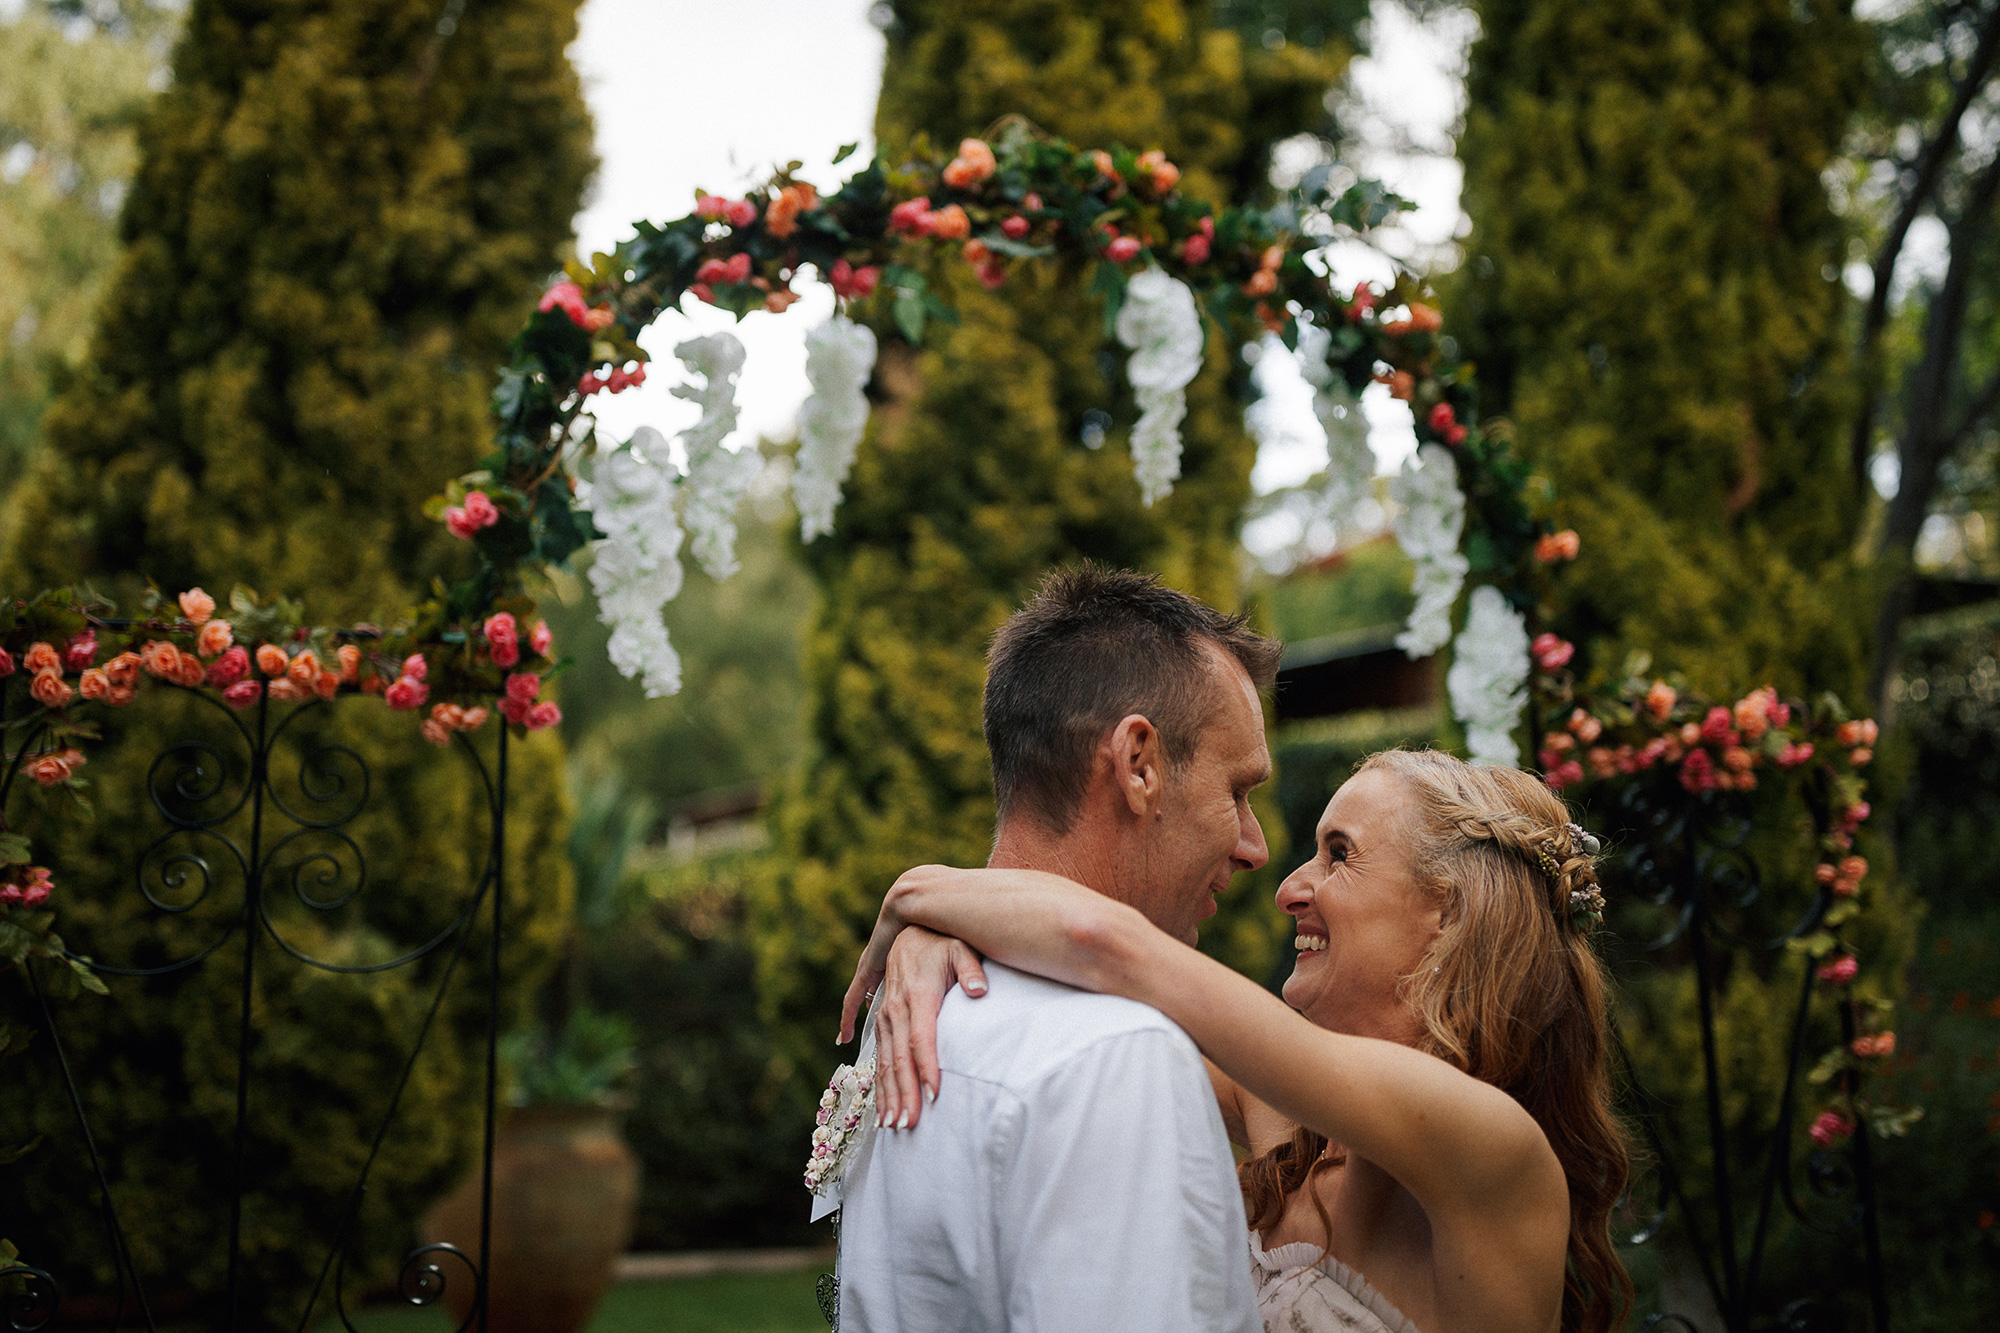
{"x":847,"y":1102}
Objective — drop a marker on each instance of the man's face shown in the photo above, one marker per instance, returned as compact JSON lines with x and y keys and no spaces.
{"x":1205,"y":831}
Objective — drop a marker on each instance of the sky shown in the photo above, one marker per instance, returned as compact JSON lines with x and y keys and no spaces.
{"x":677,"y":108}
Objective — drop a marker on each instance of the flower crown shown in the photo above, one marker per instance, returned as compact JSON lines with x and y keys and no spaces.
{"x":1586,"y":905}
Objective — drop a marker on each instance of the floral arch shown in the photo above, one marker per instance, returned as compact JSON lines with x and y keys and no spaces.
{"x":1168,"y":267}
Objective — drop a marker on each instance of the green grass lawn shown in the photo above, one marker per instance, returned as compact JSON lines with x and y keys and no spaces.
{"x":723,"y":1303}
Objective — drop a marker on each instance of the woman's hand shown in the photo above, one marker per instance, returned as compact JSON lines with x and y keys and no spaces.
{"x":889,"y":923}
{"x":922,"y":968}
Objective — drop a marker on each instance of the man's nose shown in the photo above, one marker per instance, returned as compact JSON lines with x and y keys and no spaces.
{"x":1251,"y":851}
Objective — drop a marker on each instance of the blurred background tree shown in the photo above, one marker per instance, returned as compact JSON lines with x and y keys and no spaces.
{"x":928,"y":559}
{"x":339,"y":213}
{"x":74,"y":80}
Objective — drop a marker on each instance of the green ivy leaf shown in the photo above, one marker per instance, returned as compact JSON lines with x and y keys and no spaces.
{"x":844,"y":152}
{"x":14,"y":850}
{"x":910,"y":312}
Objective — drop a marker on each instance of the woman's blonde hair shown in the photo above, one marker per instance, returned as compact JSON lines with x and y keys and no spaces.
{"x":1512,"y":993}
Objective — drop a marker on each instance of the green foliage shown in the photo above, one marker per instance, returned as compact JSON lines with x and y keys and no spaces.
{"x":971,"y":481}
{"x":338,"y":215}
{"x":724,"y":1110}
{"x":1652,"y":296}
{"x":71,"y":92}
{"x":1365,"y":587}
{"x":588,"y":1061}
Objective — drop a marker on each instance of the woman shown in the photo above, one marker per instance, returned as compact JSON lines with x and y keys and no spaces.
{"x":1431,"y":1135}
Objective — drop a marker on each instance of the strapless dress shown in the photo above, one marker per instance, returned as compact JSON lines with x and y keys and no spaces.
{"x":1303,"y":1289}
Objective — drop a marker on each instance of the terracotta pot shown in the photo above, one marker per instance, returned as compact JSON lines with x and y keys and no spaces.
{"x":565,"y":1187}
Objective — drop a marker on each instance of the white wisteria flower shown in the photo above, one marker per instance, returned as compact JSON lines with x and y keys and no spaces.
{"x":1488,"y":680}
{"x":1350,"y":463}
{"x":1430,"y":518}
{"x":840,"y":356}
{"x":716,"y":478}
{"x":636,"y":569}
{"x":1160,"y":324}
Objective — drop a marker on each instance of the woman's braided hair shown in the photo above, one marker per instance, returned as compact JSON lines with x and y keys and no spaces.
{"x":1511,"y":992}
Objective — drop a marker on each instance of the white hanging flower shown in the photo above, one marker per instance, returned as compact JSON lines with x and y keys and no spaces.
{"x":1430,"y":518}
{"x":1350,"y":463}
{"x":1160,"y":324}
{"x":637,"y":568}
{"x":716,"y":478}
{"x":840,"y":356}
{"x":1488,"y":680}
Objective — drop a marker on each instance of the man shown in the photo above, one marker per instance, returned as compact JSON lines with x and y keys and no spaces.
{"x":1073,"y":1172}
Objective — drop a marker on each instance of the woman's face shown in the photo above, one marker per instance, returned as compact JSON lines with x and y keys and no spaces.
{"x":1363,"y":924}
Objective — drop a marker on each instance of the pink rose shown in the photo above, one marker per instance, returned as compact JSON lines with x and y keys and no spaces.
{"x":542,"y":716}
{"x":541,"y":639}
{"x":1698,"y":771}
{"x":1015,"y":227}
{"x":728,"y":271}
{"x":849,"y":281}
{"x":993,"y":274}
{"x":82,"y":651}
{"x":713,"y":207}
{"x":1830,"y":1128}
{"x":6,"y":663}
{"x":10,"y":895}
{"x":415,"y":667}
{"x":229,"y":668}
{"x":215,"y":637}
{"x":1716,"y":729}
{"x":524,"y":686}
{"x":406,"y":694}
{"x":514,"y":710}
{"x":1585,"y":727}
{"x":589,"y":383}
{"x":739,"y":213}
{"x":912,"y":217}
{"x":1840,"y":971}
{"x":243,"y":693}
{"x":1552,"y":653}
{"x":35,"y":895}
{"x":1195,"y":249}
{"x":567,"y":296}
{"x":1122,"y":250}
{"x":1795,"y":754}
{"x":460,"y":524}
{"x":197,"y":605}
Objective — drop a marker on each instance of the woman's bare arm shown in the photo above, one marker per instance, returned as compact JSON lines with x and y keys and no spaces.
{"x":1454,"y":1142}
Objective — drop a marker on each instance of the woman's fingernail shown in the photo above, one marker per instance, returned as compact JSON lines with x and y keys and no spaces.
{"x":930,"y":1095}
{"x":975,"y":988}
{"x":903,"y":1120}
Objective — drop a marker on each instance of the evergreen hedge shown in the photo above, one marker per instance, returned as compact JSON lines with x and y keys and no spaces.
{"x":340,"y":214}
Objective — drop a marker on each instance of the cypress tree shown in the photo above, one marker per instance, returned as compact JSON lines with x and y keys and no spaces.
{"x":972,"y":482}
{"x":1653,"y":298}
{"x":341,"y":212}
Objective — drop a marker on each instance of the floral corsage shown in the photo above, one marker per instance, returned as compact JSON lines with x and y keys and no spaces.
{"x":848,"y":1100}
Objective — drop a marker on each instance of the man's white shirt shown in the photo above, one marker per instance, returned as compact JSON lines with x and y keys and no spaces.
{"x":1073,"y":1174}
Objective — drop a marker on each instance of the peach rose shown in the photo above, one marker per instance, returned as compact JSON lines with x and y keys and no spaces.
{"x":124,"y":669}
{"x":436,"y":732}
{"x":188,"y":671}
{"x":1163,"y":174}
{"x":350,"y":663}
{"x":326,"y":685}
{"x":95,"y":684}
{"x":304,"y":669}
{"x":974,"y":163}
{"x":288,"y":691}
{"x":215,"y":638}
{"x":243,"y":693}
{"x":44,"y":657}
{"x":950,"y":223}
{"x":121,"y":695}
{"x":474,"y":719}
{"x":197,"y":605}
{"x":271,"y":659}
{"x":49,"y":690}
{"x":1660,"y":700}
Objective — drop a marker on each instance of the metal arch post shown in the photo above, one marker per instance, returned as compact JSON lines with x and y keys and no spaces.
{"x":1704,"y":973}
{"x":1864,"y":1185}
{"x":485,"y":1297}
{"x":246,"y":1031}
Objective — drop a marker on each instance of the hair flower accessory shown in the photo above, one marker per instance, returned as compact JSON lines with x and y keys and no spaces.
{"x":843,"y":1108}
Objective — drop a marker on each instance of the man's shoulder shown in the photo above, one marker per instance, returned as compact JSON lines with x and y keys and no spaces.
{"x":1026,"y":1027}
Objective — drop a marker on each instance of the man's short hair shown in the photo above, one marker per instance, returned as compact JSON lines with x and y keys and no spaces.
{"x":1091,"y":647}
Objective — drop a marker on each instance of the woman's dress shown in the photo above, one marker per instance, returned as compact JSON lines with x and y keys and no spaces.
{"x":1303,"y":1289}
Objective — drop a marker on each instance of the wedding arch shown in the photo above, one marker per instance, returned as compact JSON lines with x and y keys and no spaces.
{"x":1172,"y":270}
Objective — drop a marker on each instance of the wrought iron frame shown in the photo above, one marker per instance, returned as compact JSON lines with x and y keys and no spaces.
{"x":193,"y":773}
{"x":1690,"y":859}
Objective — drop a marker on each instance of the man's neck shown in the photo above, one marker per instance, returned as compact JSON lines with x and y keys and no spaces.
{"x":1020,"y":845}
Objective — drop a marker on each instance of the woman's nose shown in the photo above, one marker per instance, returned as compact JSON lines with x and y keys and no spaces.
{"x":1295,"y":895}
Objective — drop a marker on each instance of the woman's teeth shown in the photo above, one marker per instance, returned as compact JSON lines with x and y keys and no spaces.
{"x":1309,"y":943}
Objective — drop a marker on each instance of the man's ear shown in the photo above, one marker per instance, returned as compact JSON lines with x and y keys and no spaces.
{"x":1138,"y":766}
